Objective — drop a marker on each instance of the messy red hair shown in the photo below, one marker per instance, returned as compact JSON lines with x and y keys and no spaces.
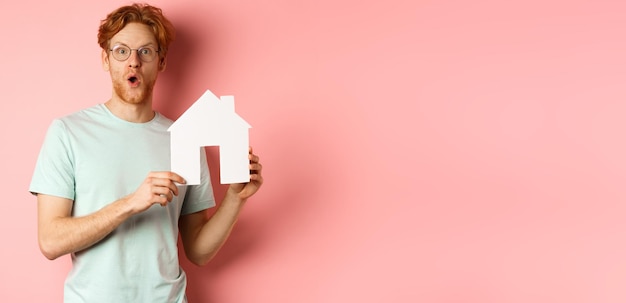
{"x":141,"y":13}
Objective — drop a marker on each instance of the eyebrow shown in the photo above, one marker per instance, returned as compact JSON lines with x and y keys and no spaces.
{"x":151,"y":44}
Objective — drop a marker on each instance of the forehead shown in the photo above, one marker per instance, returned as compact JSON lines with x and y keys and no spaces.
{"x":134,"y":34}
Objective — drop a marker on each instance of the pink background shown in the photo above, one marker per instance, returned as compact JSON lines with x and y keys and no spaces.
{"x":414,"y":151}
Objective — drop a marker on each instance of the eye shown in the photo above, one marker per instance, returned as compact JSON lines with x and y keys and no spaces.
{"x":145,"y":51}
{"x":121,"y":50}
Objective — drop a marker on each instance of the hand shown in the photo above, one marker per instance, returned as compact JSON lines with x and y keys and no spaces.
{"x":157,"y":188}
{"x":246,"y":190}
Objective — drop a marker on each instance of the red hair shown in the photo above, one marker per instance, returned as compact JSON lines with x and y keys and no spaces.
{"x":141,"y":13}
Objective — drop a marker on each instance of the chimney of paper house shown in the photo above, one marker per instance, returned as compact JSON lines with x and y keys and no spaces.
{"x":228,"y":103}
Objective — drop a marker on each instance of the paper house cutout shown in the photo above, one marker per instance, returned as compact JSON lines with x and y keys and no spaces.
{"x":211,"y":121}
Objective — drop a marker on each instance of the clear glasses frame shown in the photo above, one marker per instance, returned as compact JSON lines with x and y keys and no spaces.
{"x":122,"y":52}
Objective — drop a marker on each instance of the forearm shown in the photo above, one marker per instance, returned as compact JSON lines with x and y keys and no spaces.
{"x":65,"y":234}
{"x":203,"y":238}
{"x":60,"y":233}
{"x":215,"y":231}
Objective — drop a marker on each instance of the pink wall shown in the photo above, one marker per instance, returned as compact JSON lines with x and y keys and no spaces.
{"x":414,"y":151}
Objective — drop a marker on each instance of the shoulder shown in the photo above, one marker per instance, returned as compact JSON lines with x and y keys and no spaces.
{"x":162,"y":121}
{"x":79,"y":122}
{"x":95,"y":112}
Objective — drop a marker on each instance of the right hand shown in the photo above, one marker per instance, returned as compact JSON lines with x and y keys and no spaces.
{"x":157,"y":188}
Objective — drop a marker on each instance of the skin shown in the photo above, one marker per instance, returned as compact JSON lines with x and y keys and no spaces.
{"x":202,"y":236}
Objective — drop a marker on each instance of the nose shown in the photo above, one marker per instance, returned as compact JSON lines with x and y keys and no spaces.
{"x":133,"y":60}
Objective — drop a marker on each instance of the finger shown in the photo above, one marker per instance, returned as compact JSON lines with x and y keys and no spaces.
{"x":164,"y":182}
{"x":168,"y":175}
{"x":253,"y":158}
{"x":162,"y":186}
{"x":161,"y":199}
{"x":163,"y":193}
{"x":255,"y":167}
{"x":257,"y":178}
{"x":173,"y":188}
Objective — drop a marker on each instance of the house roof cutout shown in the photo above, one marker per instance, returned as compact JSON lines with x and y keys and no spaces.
{"x":211,"y":121}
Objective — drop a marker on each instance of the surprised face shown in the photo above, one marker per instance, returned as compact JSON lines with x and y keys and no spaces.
{"x":134,"y":78}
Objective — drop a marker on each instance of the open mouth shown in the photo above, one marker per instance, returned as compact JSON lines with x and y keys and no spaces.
{"x":133,"y":79}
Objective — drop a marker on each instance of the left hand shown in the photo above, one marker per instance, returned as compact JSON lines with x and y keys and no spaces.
{"x":246,"y":190}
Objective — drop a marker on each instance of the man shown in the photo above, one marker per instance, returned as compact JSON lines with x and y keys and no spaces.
{"x":104,"y":192}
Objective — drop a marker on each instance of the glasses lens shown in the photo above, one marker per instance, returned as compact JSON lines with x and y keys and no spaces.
{"x":146,"y":54}
{"x":121,"y":52}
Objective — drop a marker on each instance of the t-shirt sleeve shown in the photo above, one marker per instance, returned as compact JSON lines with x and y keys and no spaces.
{"x":199,"y":197}
{"x":54,"y":171}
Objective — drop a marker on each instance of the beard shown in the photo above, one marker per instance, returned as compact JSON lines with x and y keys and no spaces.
{"x":136,"y":95}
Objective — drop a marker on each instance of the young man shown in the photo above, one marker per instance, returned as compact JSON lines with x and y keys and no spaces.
{"x":104,"y":192}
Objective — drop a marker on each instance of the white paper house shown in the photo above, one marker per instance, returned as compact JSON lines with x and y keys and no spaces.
{"x":211,"y":121}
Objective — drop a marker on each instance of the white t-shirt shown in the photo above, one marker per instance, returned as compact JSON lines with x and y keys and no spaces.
{"x":94,"y":158}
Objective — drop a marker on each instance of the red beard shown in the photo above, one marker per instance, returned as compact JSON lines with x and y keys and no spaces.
{"x":130,"y":95}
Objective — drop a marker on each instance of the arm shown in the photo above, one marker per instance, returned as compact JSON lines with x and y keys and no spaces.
{"x":202,"y":237}
{"x":60,"y":233}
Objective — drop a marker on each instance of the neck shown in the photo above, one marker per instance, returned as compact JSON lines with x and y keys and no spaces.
{"x":131,"y":112}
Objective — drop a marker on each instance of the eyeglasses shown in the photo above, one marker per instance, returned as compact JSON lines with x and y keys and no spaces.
{"x":122,"y":52}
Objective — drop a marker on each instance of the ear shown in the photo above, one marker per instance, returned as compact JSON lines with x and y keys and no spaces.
{"x":162,"y":64}
{"x":105,"y":60}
